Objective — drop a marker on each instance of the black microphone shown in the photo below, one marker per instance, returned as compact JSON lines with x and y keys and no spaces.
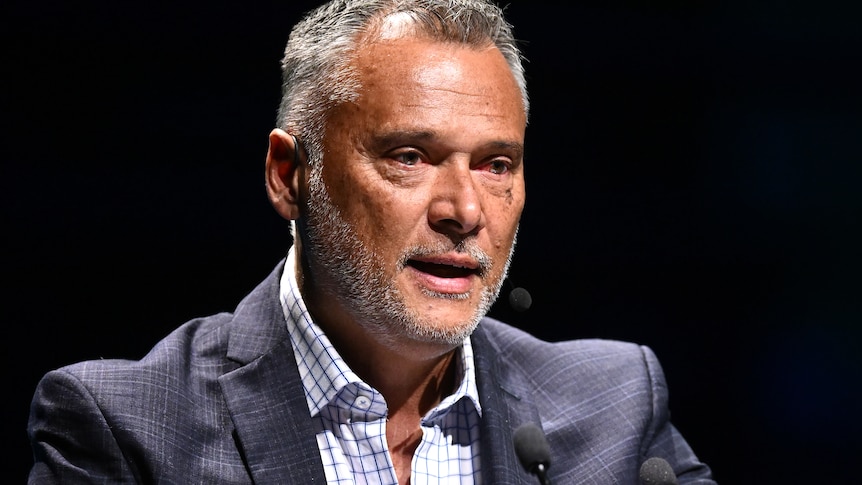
{"x":520,"y":299}
{"x":657,"y":471}
{"x":533,"y":451}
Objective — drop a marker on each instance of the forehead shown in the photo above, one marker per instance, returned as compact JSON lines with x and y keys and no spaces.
{"x":420,"y":77}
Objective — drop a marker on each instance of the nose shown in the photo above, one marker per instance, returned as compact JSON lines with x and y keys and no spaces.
{"x":456,"y":205}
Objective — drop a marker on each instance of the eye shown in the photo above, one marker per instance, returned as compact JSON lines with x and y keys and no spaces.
{"x":408,"y":157}
{"x":497,"y":167}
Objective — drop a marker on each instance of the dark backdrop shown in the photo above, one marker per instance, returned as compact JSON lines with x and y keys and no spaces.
{"x":692,"y":170}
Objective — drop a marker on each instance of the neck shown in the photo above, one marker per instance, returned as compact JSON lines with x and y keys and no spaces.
{"x":412,"y":376}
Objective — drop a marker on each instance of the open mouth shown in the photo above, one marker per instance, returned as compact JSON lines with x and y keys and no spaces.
{"x":441,"y":270}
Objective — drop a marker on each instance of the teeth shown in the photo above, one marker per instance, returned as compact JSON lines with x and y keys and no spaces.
{"x":442,"y":269}
{"x":454,"y":264}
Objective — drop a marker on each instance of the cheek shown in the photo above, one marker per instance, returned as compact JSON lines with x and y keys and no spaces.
{"x":379,"y":214}
{"x":504,"y":211}
{"x":379,"y":211}
{"x":505,"y":228}
{"x":504,"y":243}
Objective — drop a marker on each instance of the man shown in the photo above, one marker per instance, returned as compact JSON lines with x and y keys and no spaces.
{"x":365,"y":357}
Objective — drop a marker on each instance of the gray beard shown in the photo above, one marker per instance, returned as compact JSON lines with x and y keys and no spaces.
{"x":359,"y":279}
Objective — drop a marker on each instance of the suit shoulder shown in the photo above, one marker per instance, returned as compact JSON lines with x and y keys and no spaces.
{"x":510,"y":339}
{"x":194,"y":342}
{"x":592,"y":359}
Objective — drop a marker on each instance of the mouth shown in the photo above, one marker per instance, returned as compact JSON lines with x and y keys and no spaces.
{"x":443,"y":270}
{"x":445,"y":275}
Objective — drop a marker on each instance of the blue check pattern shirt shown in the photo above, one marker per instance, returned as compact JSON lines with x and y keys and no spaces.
{"x":350,"y":416}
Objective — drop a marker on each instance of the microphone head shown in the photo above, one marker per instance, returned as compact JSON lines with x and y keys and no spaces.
{"x":657,"y":471}
{"x":532,"y":447}
{"x":520,"y":299}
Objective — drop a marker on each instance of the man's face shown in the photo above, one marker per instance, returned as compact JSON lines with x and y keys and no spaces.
{"x":412,"y":218}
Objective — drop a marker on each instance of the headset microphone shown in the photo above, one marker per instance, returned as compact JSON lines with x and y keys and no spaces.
{"x":519,"y":298}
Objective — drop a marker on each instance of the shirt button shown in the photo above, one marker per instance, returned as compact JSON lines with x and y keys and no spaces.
{"x":362,"y":402}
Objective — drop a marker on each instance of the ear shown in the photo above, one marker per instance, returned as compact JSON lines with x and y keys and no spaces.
{"x":284,"y":174}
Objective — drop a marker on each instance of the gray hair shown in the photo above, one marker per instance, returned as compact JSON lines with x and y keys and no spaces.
{"x":316,"y":67}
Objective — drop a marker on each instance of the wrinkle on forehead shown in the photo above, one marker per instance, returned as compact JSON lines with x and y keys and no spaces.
{"x":479,"y":109}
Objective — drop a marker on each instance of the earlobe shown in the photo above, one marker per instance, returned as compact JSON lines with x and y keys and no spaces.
{"x":283,"y":174}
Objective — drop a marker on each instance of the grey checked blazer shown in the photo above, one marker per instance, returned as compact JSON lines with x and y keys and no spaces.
{"x":219,"y":401}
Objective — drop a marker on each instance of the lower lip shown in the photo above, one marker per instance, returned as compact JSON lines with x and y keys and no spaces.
{"x":437,"y":284}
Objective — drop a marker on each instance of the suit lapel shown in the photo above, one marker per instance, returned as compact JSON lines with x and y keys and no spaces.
{"x":271,"y":418}
{"x":504,"y":407}
{"x":264,"y":394}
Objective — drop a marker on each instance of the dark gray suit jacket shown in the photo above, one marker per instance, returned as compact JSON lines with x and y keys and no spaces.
{"x":219,"y":401}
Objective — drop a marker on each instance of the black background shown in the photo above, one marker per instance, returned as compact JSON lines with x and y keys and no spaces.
{"x":693,"y":177}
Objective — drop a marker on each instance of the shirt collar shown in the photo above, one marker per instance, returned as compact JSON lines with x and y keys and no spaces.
{"x":321,"y":368}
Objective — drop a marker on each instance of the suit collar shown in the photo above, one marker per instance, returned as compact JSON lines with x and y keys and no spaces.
{"x":264,"y":395}
{"x":505,"y":406}
{"x":258,"y":322}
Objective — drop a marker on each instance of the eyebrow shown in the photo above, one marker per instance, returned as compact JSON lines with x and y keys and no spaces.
{"x":383,"y":141}
{"x":518,"y":148}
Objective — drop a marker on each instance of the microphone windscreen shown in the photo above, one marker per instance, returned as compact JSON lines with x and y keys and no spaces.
{"x":520,"y":299}
{"x":531,"y":446}
{"x":657,"y":471}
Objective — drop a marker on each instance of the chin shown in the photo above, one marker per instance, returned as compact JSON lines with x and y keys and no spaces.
{"x":447,"y":328}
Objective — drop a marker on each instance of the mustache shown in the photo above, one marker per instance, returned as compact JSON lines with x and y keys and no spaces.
{"x":434,"y":249}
